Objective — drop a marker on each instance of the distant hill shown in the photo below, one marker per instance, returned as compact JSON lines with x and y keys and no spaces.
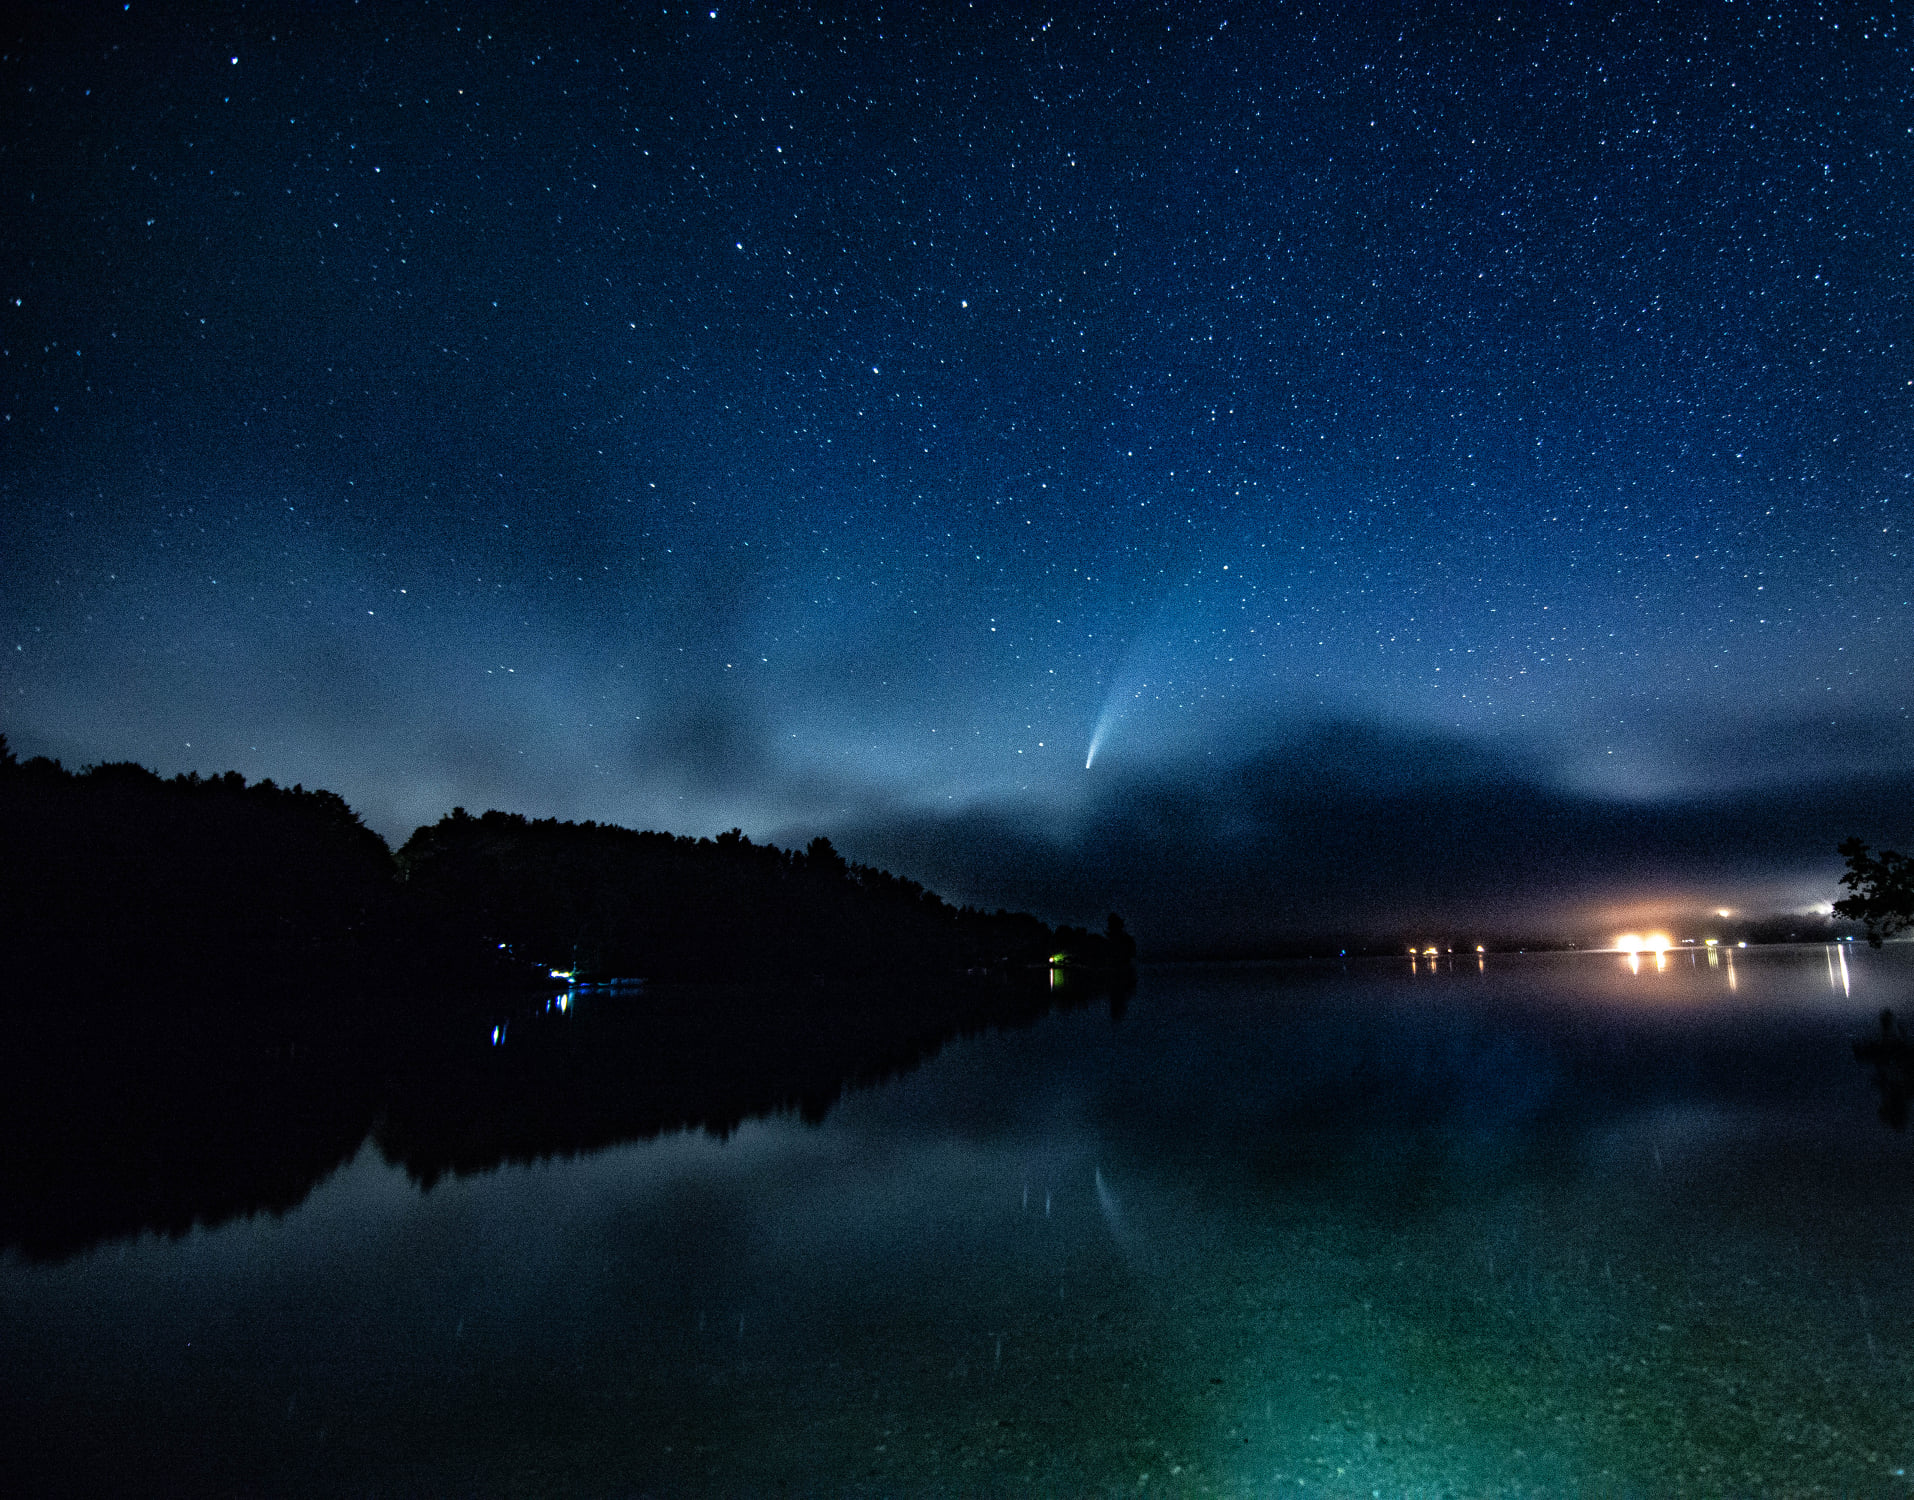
{"x":116,"y":876}
{"x":604,"y":901}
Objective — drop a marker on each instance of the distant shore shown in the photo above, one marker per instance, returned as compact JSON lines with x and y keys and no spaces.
{"x":117,"y":877}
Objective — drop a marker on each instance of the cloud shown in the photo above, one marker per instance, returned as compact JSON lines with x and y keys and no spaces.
{"x":1352,"y":828}
{"x":1776,"y":751}
{"x":709,"y":746}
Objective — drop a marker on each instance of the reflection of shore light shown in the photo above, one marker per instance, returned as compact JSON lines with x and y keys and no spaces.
{"x":1630,"y":944}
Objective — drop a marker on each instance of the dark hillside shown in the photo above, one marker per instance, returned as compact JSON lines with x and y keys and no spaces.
{"x":608,"y":901}
{"x":115,"y":879}
{"x":114,"y":875}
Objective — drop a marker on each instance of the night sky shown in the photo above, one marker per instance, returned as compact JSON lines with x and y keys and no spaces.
{"x":1274,"y":469}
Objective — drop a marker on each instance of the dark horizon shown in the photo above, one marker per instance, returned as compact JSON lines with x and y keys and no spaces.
{"x":1185,"y":931}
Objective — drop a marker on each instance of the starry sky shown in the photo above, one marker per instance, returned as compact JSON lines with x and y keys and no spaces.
{"x":1274,"y":469}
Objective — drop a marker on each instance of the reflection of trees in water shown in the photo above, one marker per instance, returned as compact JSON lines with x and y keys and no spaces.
{"x":1892,"y":1056}
{"x":116,"y":1124}
{"x":120,"y":1126}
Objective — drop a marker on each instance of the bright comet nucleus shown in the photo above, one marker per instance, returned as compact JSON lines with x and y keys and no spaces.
{"x":1097,"y":736}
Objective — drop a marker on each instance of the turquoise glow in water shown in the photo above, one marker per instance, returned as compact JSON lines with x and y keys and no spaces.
{"x":1547,"y":1227}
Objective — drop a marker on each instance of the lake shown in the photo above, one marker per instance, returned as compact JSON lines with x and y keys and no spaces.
{"x":1530,"y":1225}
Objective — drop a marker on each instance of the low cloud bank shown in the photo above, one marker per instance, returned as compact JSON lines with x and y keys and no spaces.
{"x":1355,"y":831}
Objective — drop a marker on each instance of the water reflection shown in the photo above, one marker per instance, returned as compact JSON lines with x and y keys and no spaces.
{"x":1322,"y":1230}
{"x":129,"y":1125}
{"x":140,"y":1129}
{"x":1837,"y":953}
{"x":1892,"y":1058}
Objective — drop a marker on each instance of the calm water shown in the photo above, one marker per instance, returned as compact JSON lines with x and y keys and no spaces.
{"x":1547,"y":1227}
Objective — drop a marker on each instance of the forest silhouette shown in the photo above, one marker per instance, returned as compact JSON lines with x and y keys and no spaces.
{"x":116,"y":876}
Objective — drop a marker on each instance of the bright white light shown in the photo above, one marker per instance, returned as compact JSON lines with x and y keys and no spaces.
{"x":1654,"y":942}
{"x":1096,"y":736}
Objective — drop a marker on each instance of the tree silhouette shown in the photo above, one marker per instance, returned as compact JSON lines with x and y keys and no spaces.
{"x":114,"y":875}
{"x":115,"y":878}
{"x":1882,"y":887}
{"x":599,"y":900}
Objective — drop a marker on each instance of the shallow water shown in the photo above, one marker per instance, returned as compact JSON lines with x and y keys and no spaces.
{"x":1542,"y":1227}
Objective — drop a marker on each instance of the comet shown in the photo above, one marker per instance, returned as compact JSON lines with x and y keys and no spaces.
{"x":1106,"y":721}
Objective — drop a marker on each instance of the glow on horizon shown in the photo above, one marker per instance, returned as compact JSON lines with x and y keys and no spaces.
{"x":1655,"y":942}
